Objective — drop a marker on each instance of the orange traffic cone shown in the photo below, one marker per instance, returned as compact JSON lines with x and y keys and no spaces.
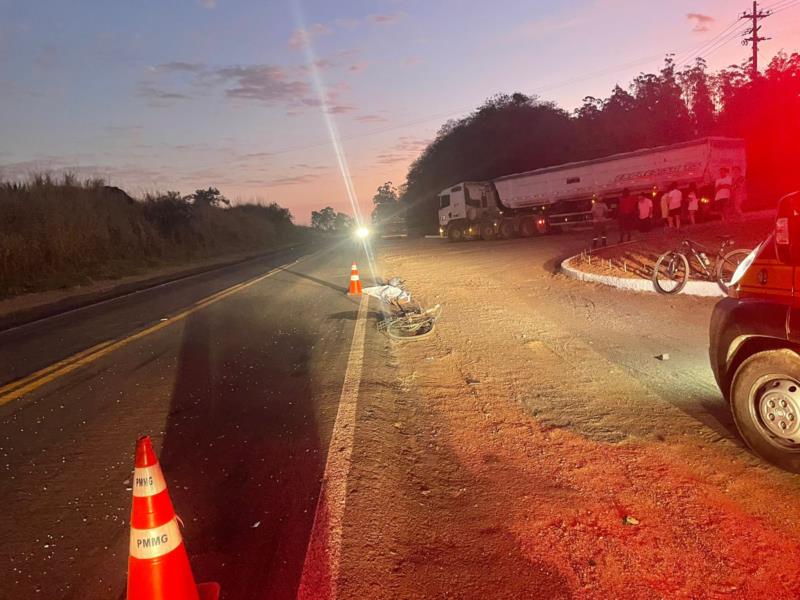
{"x":158,"y":567}
{"x":355,"y":282}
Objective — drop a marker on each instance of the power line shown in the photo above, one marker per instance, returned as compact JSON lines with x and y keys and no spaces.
{"x":723,"y":42}
{"x":699,"y":50}
{"x":461,"y":111}
{"x":783,"y":8}
{"x":705,"y":48}
{"x":778,"y":5}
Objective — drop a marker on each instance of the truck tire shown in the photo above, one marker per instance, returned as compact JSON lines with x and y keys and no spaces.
{"x":765,"y":402}
{"x":527,"y":228}
{"x":507,"y":230}
{"x":487,"y":231}
{"x":454,"y":234}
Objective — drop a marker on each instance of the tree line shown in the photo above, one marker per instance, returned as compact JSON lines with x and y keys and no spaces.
{"x":511,"y":133}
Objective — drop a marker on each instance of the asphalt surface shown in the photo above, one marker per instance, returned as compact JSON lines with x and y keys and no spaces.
{"x":239,"y":397}
{"x":499,"y":458}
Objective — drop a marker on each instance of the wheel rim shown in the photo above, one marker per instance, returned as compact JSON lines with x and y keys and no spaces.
{"x":775,"y":406}
{"x":728,"y":267}
{"x":670,"y":273}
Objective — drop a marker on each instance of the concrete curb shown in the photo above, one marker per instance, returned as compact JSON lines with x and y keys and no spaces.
{"x":705,"y":289}
{"x":78,"y":301}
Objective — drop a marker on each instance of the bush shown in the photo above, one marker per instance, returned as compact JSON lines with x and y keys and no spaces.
{"x":57,"y":232}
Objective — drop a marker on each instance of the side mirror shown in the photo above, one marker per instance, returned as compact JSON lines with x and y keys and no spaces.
{"x":787,"y":229}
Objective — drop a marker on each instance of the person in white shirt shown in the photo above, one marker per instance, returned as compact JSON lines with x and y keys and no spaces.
{"x":675,"y":203}
{"x":645,"y":213}
{"x":665,"y":208}
{"x":722,"y":193}
{"x":693,"y":203}
{"x":599,"y":219}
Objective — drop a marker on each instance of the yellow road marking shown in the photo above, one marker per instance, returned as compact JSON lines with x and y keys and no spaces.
{"x":17,"y":389}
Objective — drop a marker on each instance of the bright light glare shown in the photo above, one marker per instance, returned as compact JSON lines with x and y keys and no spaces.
{"x":362,"y":233}
{"x":743,"y":266}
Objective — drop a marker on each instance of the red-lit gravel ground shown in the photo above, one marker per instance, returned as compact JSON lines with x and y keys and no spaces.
{"x":534,"y":447}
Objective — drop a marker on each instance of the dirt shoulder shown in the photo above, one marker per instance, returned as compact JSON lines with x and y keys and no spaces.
{"x":636,"y":260}
{"x":533,"y":448}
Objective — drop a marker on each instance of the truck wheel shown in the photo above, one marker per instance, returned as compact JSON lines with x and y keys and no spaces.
{"x":765,"y":401}
{"x":527,"y":228}
{"x":487,"y":232}
{"x":454,"y":234}
{"x":506,"y":230}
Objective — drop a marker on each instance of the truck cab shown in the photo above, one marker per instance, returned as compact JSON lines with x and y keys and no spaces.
{"x":465,"y":210}
{"x":755,"y":342}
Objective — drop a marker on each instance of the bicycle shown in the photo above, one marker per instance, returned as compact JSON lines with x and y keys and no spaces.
{"x":673,"y":268}
{"x":408,"y":320}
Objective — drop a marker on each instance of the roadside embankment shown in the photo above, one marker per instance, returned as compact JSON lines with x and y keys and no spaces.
{"x":61,"y":233}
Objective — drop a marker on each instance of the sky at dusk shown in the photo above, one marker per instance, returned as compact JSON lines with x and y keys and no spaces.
{"x":244,"y":95}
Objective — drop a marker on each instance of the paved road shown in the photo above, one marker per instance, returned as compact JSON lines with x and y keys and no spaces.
{"x":239,"y":396}
{"x":498,"y":458}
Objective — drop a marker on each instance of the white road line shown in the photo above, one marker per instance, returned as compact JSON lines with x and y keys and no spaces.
{"x":321,"y":565}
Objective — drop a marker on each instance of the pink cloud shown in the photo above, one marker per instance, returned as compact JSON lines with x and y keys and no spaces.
{"x":701,"y":22}
{"x":384,"y":19}
{"x":371,"y":119}
{"x":341,"y":109}
{"x":358,"y":67}
{"x":302,"y":37}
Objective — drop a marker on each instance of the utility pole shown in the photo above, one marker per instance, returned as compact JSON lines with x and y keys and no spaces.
{"x":752,"y":33}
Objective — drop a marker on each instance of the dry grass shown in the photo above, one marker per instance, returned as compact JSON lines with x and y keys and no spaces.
{"x":55,"y":233}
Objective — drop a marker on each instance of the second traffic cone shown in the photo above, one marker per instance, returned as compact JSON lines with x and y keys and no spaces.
{"x":158,"y":567}
{"x":355,"y":281}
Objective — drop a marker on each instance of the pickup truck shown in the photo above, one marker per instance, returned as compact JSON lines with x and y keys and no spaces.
{"x":755,"y":342}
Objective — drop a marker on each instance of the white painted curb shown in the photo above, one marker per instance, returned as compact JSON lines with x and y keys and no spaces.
{"x":693,"y":288}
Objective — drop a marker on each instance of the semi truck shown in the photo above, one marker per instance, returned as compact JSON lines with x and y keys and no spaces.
{"x":560,"y":197}
{"x":755,"y":342}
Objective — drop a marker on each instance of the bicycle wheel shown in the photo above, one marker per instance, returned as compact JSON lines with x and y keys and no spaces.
{"x":409,"y":328}
{"x":727,"y":265}
{"x":670,"y":273}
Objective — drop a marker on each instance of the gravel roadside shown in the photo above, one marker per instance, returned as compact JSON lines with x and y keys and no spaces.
{"x":535,"y":448}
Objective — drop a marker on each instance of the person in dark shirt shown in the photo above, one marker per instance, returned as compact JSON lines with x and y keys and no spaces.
{"x":626,"y":212}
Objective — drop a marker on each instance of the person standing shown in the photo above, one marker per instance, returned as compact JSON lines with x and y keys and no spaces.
{"x":738,"y":191}
{"x":675,"y":203}
{"x":665,"y":208}
{"x":599,"y":218}
{"x":722,"y":193}
{"x":693,"y":204}
{"x":627,"y":215}
{"x":645,"y":213}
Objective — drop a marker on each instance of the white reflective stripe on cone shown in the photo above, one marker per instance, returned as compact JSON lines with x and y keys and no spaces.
{"x":353,"y":277}
{"x":148,"y":481}
{"x":152,"y":543}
